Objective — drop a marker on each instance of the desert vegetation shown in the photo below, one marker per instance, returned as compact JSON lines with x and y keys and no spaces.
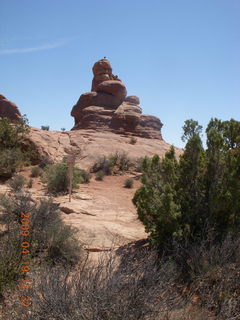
{"x":117,"y":163}
{"x":133,"y":140}
{"x":191,"y":209}
{"x":182,"y":200}
{"x":46,"y":128}
{"x":128,"y":183}
{"x":12,"y":154}
{"x":56,"y":177}
{"x":51,"y":241}
{"x":36,"y":172}
{"x":188,"y":268}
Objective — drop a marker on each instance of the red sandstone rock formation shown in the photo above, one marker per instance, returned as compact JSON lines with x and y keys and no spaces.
{"x":102,"y":71}
{"x":108,"y":108}
{"x":8,"y":109}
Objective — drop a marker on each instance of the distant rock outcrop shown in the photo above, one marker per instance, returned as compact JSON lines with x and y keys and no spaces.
{"x":107,"y":107}
{"x":8,"y":109}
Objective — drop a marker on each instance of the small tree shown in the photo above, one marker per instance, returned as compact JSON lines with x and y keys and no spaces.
{"x":56,"y":177}
{"x":156,"y":200}
{"x":12,"y":155}
{"x":181,"y":201}
{"x":45,"y":128}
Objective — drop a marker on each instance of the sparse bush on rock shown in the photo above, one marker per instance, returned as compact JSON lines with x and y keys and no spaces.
{"x":45,"y":128}
{"x":133,"y":140}
{"x":44,"y":161}
{"x":30,"y":183}
{"x":139,"y":164}
{"x":85,"y":176}
{"x":100,"y":175}
{"x":128,"y":183}
{"x":17,"y":183}
{"x":117,"y":162}
{"x":56,"y":177}
{"x":103,"y":164}
{"x":36,"y":172}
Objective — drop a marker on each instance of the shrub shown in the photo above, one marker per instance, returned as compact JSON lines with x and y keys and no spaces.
{"x":63,"y":129}
{"x":100,"y":291}
{"x":44,"y":161}
{"x":45,"y":128}
{"x":133,"y":140}
{"x":100,"y":175}
{"x":36,"y":172}
{"x":12,"y":133}
{"x":50,"y":239}
{"x":56,"y":177}
{"x":103,"y":164}
{"x":128,"y":183}
{"x":124,"y":162}
{"x":139,"y":164}
{"x":30,"y":183}
{"x":10,"y":258}
{"x":17,"y":183}
{"x":11,"y":161}
{"x":179,"y":199}
{"x":117,"y":161}
{"x":12,"y":155}
{"x":85,"y":176}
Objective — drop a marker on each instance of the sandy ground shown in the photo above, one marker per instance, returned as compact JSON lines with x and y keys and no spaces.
{"x":103,"y":211}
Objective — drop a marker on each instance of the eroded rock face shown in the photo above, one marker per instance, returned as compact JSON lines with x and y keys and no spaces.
{"x":132,"y":100}
{"x":114,"y":88}
{"x":107,"y":107}
{"x":102,"y":71}
{"x":127,"y":116}
{"x":8,"y":109}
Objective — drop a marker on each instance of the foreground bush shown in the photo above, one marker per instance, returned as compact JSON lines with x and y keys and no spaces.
{"x":197,"y":282}
{"x":104,"y":290}
{"x":181,"y":200}
{"x":51,"y":241}
{"x":10,"y":257}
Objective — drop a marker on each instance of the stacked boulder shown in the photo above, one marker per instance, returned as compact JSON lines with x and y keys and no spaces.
{"x":107,"y":107}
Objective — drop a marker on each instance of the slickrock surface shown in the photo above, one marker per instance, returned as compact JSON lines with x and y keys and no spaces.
{"x":102,"y":211}
{"x":107,"y":107}
{"x":89,"y":145}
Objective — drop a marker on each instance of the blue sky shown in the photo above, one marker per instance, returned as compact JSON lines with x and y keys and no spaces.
{"x":181,"y":57}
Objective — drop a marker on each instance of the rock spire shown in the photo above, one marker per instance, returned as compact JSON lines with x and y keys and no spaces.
{"x":107,"y":107}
